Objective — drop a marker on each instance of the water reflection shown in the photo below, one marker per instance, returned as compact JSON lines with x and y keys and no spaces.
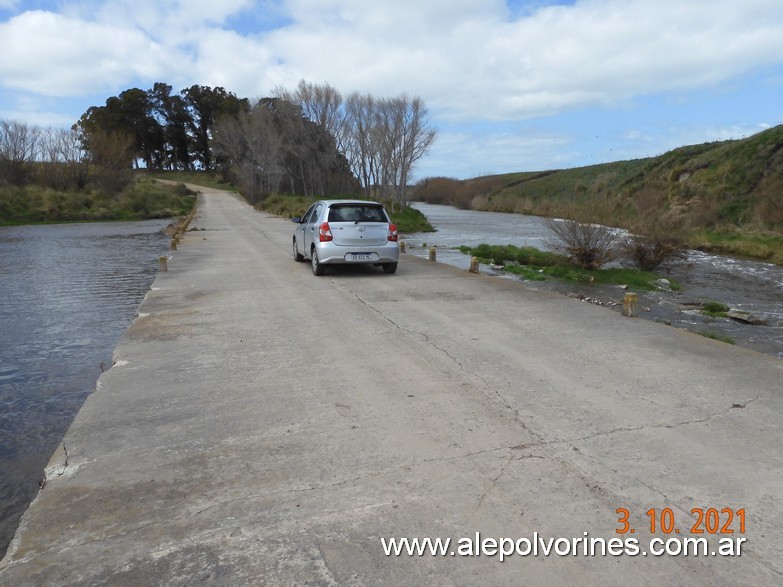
{"x":68,"y":293}
{"x":750,"y":286}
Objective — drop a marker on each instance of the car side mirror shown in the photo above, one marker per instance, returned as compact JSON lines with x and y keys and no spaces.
{"x":297,"y":219}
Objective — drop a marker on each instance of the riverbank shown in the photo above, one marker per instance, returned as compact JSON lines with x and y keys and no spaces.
{"x":145,"y":199}
{"x":722,"y":197}
{"x":454,"y":404}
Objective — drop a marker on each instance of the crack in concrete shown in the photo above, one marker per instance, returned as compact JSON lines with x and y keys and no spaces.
{"x":454,"y":359}
{"x":670,"y":425}
{"x":493,"y":483}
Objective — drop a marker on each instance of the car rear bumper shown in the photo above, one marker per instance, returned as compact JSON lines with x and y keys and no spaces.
{"x":331,"y":254}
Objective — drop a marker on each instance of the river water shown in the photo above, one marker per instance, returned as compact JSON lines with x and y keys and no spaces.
{"x":67,"y":294}
{"x":743,"y":285}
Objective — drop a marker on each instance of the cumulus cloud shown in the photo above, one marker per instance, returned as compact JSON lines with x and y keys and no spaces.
{"x":471,"y":60}
{"x":54,"y":55}
{"x":475,"y":59}
{"x":467,"y":58}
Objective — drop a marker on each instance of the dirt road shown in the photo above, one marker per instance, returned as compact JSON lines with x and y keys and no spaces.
{"x":265,"y":426}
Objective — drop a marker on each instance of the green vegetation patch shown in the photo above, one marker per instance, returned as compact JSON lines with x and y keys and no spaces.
{"x":143,"y":199}
{"x":715,"y":309}
{"x":502,"y":254}
{"x":716,"y":336}
{"x":766,"y":246}
{"x":537,"y":265}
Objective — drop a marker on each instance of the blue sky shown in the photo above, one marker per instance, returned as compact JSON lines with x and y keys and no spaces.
{"x":510,"y":86}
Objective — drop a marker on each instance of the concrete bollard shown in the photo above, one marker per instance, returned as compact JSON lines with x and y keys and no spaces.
{"x":433,"y":254}
{"x":163,"y":262}
{"x":474,"y":265}
{"x":630,"y":307}
{"x":173,"y":244}
{"x":402,"y":246}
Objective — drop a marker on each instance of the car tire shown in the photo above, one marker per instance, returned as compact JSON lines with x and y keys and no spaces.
{"x":318,"y":269}
{"x":297,"y":257}
{"x":389,"y":268}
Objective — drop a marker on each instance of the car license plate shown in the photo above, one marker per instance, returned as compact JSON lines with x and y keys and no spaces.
{"x":361,"y":257}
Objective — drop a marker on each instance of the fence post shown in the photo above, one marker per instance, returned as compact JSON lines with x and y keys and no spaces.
{"x":163,"y":261}
{"x":630,"y":307}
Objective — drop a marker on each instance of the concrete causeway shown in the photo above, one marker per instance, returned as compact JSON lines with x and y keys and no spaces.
{"x":262,"y":426}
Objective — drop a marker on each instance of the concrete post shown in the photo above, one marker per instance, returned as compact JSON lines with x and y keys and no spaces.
{"x":630,"y":307}
{"x":402,"y":246}
{"x":173,"y":244}
{"x":474,"y":265}
{"x":433,"y":254}
{"x":163,"y":262}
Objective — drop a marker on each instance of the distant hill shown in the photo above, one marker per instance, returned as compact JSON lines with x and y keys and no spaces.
{"x":726,"y":196}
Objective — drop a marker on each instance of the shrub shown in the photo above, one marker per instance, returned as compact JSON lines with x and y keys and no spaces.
{"x":650,"y":251}
{"x":588,"y":245}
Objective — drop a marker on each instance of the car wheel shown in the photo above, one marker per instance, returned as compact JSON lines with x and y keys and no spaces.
{"x":389,"y":268}
{"x":297,"y":257}
{"x":318,"y":269}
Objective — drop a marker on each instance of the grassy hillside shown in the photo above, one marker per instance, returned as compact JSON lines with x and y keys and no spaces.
{"x":725,"y":196}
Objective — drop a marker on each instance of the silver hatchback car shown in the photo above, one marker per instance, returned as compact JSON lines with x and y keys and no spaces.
{"x":346,"y":232}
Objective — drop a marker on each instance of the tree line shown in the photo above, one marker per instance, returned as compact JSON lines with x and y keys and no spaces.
{"x":306,"y":141}
{"x":382,"y":138}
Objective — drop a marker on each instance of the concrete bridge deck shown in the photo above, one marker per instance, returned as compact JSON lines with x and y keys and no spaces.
{"x":264,"y":426}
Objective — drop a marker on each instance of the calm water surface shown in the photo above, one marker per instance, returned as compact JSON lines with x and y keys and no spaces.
{"x":750,"y":286}
{"x":67,"y":294}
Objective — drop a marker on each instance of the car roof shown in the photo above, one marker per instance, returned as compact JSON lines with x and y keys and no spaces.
{"x":333,"y":202}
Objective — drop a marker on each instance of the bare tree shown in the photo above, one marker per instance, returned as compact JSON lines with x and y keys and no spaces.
{"x":112,"y":154}
{"x":63,"y":162}
{"x":320,"y":103}
{"x":252,"y":146}
{"x":417,"y":138}
{"x":18,"y":143}
{"x":361,"y":146}
{"x":382,"y":139}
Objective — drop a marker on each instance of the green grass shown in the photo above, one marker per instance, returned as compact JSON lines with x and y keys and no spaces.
{"x":537,"y":265}
{"x":143,"y":199}
{"x":500,"y":254}
{"x":765,"y":246}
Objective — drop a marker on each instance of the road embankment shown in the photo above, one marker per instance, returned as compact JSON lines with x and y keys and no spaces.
{"x":264,"y":426}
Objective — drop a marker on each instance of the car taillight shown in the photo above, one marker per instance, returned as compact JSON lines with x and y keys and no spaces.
{"x":393,"y":233}
{"x":324,"y":233}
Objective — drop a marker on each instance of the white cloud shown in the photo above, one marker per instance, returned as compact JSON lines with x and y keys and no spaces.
{"x":55,"y":55}
{"x":471,"y":60}
{"x":467,"y":58}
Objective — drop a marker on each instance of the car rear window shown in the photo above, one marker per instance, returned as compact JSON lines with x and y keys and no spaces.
{"x":356,"y":213}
